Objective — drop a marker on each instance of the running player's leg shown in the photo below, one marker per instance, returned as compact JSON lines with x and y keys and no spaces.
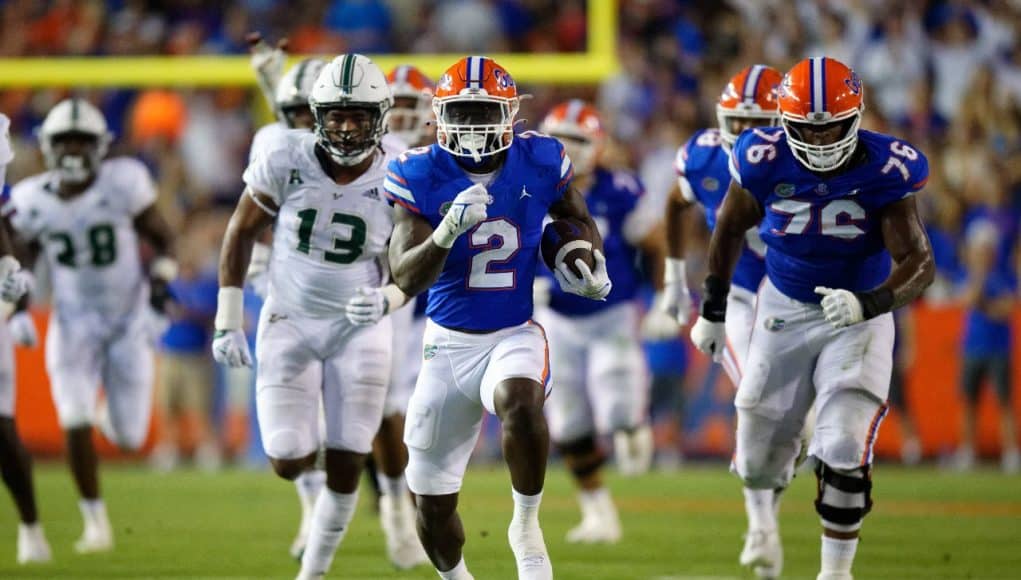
{"x":16,"y":465}
{"x":571,"y":423}
{"x":619,"y":384}
{"x":354,"y":389}
{"x":128,"y":381}
{"x":852,"y":377}
{"x":73,"y":361}
{"x":773,"y":398}
{"x":443,"y":425}
{"x":514,"y":388}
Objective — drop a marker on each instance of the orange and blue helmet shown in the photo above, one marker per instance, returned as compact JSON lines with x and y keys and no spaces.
{"x":475,"y":105}
{"x":413,"y":93}
{"x":750,"y":94}
{"x":820,"y":92}
{"x":577,"y":125}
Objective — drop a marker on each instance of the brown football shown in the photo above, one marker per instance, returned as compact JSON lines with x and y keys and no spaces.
{"x":567,"y":239}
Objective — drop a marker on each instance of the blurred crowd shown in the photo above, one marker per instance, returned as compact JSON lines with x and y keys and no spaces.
{"x":945,"y":75}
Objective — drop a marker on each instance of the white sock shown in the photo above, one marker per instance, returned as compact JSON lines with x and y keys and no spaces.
{"x":592,"y":500}
{"x":526,"y":507}
{"x":93,"y":512}
{"x":309,"y":484}
{"x":395,"y":486}
{"x":758,"y":503}
{"x":838,"y":555}
{"x":459,"y":572}
{"x":330,"y":519}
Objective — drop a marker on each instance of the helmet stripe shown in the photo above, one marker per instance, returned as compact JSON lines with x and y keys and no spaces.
{"x":751,"y":83}
{"x":74,"y":112}
{"x":475,"y":66}
{"x":573,"y":112}
{"x":816,"y":85}
{"x":347,"y":68}
{"x":401,"y":74}
{"x":300,"y":76}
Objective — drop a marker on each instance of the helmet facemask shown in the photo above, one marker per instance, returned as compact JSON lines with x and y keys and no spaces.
{"x":74,"y":155}
{"x":827,"y":157}
{"x":732,"y":122}
{"x":349,"y":131}
{"x":409,"y":119}
{"x":475,"y":125}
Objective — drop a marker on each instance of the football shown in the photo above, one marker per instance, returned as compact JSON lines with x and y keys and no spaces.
{"x":566,"y":240}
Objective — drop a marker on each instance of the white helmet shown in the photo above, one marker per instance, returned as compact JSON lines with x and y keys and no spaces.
{"x":351,"y":81}
{"x":74,"y":115}
{"x":295,"y":87}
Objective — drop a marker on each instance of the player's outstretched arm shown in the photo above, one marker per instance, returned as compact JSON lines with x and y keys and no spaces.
{"x":676,"y":297}
{"x":739,"y":212}
{"x":416,"y":260}
{"x":254,"y":213}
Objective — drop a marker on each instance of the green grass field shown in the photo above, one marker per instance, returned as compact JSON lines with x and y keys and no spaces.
{"x":682,"y":525}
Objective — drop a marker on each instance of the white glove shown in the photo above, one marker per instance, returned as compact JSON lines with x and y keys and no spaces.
{"x":841,"y":307}
{"x":22,"y":329}
{"x":675,"y":299}
{"x":268,"y":63}
{"x":467,"y":209}
{"x":230,"y":347}
{"x":659,"y":324}
{"x":709,"y":337}
{"x":593,"y":285}
{"x":366,"y":307}
{"x":16,"y":285}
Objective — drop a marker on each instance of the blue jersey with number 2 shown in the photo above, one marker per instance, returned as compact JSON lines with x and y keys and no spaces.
{"x":825,"y":231}
{"x":486,"y":282}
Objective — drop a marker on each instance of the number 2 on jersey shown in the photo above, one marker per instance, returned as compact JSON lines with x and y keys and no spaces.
{"x":345,"y":251}
{"x":501,"y":241}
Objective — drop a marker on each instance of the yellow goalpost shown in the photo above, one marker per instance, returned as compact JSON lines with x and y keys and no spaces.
{"x":595,"y":64}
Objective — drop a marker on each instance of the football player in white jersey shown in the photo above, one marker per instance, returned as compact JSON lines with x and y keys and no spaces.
{"x":288,"y":97}
{"x":15,"y":464}
{"x":321,"y":191}
{"x":85,"y":215}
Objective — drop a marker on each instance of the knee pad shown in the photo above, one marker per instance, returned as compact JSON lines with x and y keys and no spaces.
{"x":286,"y":444}
{"x":586,"y":455}
{"x":844,"y":498}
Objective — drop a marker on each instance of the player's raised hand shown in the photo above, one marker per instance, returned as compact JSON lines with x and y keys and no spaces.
{"x":709,"y":337}
{"x":675,"y":300}
{"x":21,"y":325}
{"x":466,"y":210}
{"x":841,"y":307}
{"x":230,"y":347}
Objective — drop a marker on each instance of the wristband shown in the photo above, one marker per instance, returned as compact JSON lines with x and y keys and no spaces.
{"x":230,"y":308}
{"x":164,"y":267}
{"x":714,"y":298}
{"x":875,"y":302}
{"x":393,"y":298}
{"x":443,"y":237}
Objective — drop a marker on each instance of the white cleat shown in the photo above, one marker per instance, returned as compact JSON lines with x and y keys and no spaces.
{"x":834,"y":576}
{"x":303,"y":575}
{"x":763,"y":553}
{"x":529,"y":549}
{"x":97,"y":538}
{"x":32,"y":545}
{"x":397,"y":517}
{"x":1010,"y":461}
{"x":600,"y":523}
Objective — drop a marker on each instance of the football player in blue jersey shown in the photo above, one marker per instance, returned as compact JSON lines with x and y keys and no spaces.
{"x":600,"y":380}
{"x":834,"y":204}
{"x":468,"y":219}
{"x":703,"y":177}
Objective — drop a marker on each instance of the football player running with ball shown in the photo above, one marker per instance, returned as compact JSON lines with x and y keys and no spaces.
{"x":86,"y":215}
{"x":468,"y":219}
{"x":320,"y":191}
{"x":835,"y":204}
{"x":703,"y":177}
{"x":600,"y":380}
